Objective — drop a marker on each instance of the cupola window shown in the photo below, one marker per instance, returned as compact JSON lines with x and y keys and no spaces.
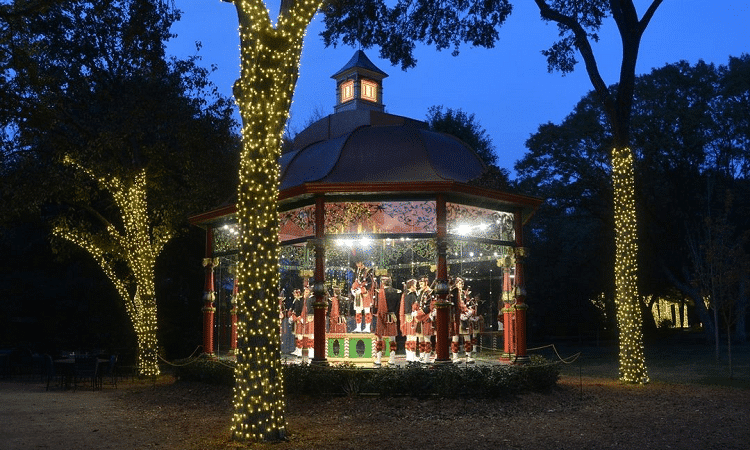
{"x":347,"y":91}
{"x":369,"y":90}
{"x":359,"y":85}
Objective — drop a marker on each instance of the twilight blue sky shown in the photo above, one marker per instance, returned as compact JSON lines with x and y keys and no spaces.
{"x":508,"y":88}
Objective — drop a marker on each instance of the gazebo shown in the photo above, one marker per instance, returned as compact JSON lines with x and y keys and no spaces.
{"x":362,"y":184}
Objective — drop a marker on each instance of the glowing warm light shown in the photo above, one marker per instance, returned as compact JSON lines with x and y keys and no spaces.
{"x":467,"y":229}
{"x":629,"y":320}
{"x":463,"y":229}
{"x":369,"y":90}
{"x":347,"y":91}
{"x":345,"y":242}
{"x":138,"y":244}
{"x":363,"y":242}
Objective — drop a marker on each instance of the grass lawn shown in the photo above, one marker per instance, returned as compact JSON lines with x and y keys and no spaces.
{"x":670,"y":360}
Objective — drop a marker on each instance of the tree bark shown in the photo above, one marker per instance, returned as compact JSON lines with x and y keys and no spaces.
{"x":269,"y":69}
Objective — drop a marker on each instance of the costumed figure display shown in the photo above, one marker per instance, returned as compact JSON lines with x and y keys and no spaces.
{"x":407,"y":314}
{"x":463,"y":321}
{"x":425,"y":314}
{"x":286,"y":329}
{"x":296,"y":319}
{"x":387,"y":323}
{"x":309,"y":322}
{"x":337,"y":321}
{"x":363,"y":290}
{"x":282,"y":314}
{"x":500,"y":318}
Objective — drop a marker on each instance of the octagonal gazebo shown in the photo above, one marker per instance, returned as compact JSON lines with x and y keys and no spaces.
{"x":362,"y":184}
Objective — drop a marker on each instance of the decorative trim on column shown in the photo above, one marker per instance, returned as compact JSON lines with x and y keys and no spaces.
{"x":208,"y":306}
{"x":442,"y":354}
{"x":520,"y":308}
{"x":506,"y":309}
{"x":319,"y":289}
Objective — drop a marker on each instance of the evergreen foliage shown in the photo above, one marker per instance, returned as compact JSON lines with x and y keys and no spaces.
{"x":448,"y":381}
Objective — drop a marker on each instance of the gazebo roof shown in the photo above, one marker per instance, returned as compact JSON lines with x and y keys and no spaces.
{"x":364,"y":154}
{"x":369,"y":155}
{"x":377,"y":148}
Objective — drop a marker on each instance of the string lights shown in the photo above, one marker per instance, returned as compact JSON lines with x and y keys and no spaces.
{"x":269,"y":59}
{"x":629,"y":320}
{"x":138,"y":245}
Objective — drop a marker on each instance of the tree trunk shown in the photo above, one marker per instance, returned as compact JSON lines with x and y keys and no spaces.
{"x":269,"y":69}
{"x":740,"y":335}
{"x":729,"y":351}
{"x":650,"y":326}
{"x":139,"y":246}
{"x":259,"y":399}
{"x":148,"y":344}
{"x":629,"y":318}
{"x":716,"y":332}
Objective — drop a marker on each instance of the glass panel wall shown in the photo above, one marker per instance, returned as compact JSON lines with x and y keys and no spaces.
{"x":380,"y":217}
{"x":395,"y":239}
{"x":401,"y":259}
{"x":225,"y":238}
{"x":471,"y":221}
{"x":224,"y":279}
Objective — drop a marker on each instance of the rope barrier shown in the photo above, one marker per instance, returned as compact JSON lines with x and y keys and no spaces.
{"x":571,"y":358}
{"x":190,"y":361}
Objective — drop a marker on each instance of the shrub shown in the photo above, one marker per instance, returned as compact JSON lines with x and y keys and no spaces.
{"x":479,"y":381}
{"x":205,"y":369}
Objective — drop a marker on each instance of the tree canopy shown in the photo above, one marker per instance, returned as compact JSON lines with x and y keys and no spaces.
{"x":691,"y":148}
{"x":395,"y":29}
{"x":467,"y":128}
{"x":104,"y":131}
{"x":91,"y":80}
{"x":464,"y":126}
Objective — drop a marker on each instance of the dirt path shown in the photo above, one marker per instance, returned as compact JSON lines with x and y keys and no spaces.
{"x":123,"y":418}
{"x":587,"y":413}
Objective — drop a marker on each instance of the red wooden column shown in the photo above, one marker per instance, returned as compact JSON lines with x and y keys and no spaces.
{"x":208,"y":296}
{"x":442,"y":305}
{"x":520,"y":290}
{"x":319,"y":290}
{"x":507,"y":309}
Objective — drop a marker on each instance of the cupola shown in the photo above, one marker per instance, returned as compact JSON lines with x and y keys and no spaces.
{"x":359,"y":85}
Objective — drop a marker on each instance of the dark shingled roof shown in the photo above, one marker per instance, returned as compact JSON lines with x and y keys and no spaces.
{"x":362,"y":61}
{"x":385,"y":148}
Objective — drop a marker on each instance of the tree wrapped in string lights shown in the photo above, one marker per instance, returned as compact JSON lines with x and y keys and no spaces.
{"x":269,"y":67}
{"x":137,"y":244}
{"x":578,"y":23}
